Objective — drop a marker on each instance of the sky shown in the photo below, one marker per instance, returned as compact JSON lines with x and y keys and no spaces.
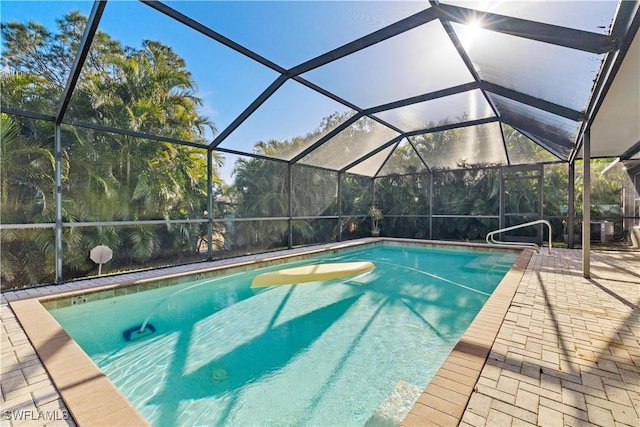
{"x":286,"y":33}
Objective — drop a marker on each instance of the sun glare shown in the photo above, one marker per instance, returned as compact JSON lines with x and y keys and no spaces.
{"x":468,"y":33}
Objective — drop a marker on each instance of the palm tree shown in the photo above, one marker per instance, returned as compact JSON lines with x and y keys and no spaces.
{"x":27,"y":191}
{"x":150,"y":91}
{"x":261,"y":190}
{"x":107,"y":176}
{"x":27,"y":176}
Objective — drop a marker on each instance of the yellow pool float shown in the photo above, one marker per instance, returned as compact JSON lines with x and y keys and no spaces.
{"x":311,"y":273}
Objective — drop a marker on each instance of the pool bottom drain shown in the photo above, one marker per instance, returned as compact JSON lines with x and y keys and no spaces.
{"x":138,"y":332}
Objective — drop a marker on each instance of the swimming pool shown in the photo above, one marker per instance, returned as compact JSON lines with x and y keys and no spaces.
{"x":318,"y":353}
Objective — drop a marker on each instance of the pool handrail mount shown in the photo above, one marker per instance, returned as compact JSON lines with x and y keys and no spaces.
{"x":492,"y":241}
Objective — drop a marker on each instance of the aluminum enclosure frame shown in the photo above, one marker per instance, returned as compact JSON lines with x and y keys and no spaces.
{"x":614,"y":46}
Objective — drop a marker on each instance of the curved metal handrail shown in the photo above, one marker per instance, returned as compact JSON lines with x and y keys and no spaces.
{"x":492,"y":241}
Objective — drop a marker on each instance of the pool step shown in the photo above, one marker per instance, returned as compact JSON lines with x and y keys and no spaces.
{"x":395,"y":406}
{"x":491,"y":263}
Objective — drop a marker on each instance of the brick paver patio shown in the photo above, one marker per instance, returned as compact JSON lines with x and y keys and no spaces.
{"x":567,"y":353}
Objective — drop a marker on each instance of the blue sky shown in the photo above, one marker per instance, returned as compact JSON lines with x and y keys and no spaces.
{"x":286,"y":33}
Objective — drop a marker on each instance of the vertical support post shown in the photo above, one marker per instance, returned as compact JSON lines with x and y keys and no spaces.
{"x":541,"y":204}
{"x":586,"y":204}
{"x":571,"y":205}
{"x":290,"y":190}
{"x":373,"y":192}
{"x":58,"y":202}
{"x":209,"y":204}
{"x":431,"y":207}
{"x":373,"y":196}
{"x":501,"y":221}
{"x":340,"y":206}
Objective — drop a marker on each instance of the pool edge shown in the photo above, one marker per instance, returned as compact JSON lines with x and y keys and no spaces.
{"x":91,"y":398}
{"x":445,"y":399}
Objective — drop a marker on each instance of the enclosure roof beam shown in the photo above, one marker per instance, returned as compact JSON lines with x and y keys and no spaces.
{"x":627,"y":23}
{"x":395,"y":139}
{"x":541,"y":144}
{"x":203,"y":29}
{"x":416,"y":133}
{"x":127,"y":132}
{"x":97,"y":126}
{"x":326,"y":93}
{"x":632,"y":151}
{"x":453,"y":36}
{"x":384,"y":162}
{"x":547,"y":33}
{"x":249,"y":110}
{"x":81,"y":55}
{"x":327,"y":137}
{"x":29,"y":114}
{"x":454,"y":90}
{"x":371,"y":39}
{"x":532,"y":101}
{"x":252,"y":155}
{"x":371,"y":154}
{"x":272,"y":159}
{"x":526,"y":126}
{"x":422,"y":159}
{"x":451,"y":126}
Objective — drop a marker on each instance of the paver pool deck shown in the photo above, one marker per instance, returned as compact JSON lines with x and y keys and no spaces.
{"x":550,"y":348}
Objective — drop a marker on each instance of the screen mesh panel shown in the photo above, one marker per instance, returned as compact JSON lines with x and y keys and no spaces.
{"x":537,"y":122}
{"x":296,"y":31}
{"x":315,"y":191}
{"x":403,"y":195}
{"x":421,"y":60}
{"x":27,"y":169}
{"x":355,"y":194}
{"x":138,"y":87}
{"x":593,"y":16}
{"x":456,"y":108}
{"x":120,"y":178}
{"x":458,"y":148}
{"x":523,"y":150}
{"x":28,"y":257}
{"x":291,"y":120}
{"x":557,"y":74}
{"x":372,"y":165}
{"x":403,"y":160}
{"x":362,"y":137}
{"x":262,"y":188}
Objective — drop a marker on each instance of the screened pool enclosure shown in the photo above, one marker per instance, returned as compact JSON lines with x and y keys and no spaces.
{"x":183,"y":131}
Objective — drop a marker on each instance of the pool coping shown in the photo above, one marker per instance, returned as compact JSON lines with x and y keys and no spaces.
{"x":445,"y":398}
{"x":92,"y":399}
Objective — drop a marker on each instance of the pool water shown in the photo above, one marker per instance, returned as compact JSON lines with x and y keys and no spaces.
{"x":322,"y":353}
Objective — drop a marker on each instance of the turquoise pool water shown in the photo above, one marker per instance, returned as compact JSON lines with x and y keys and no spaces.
{"x":323,"y":353}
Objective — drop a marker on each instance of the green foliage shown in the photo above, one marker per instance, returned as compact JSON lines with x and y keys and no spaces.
{"x":522,"y":150}
{"x":606,"y":188}
{"x":465,"y":192}
{"x":27,"y":168}
{"x":261,"y":189}
{"x":105,"y":176}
